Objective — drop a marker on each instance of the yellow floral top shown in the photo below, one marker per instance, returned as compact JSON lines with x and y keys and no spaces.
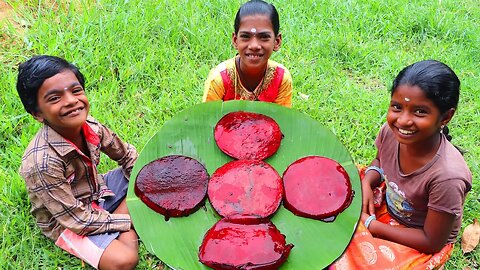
{"x":223,"y":83}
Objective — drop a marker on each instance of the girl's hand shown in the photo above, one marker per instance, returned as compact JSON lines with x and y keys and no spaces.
{"x":367,"y":199}
{"x":363,"y":217}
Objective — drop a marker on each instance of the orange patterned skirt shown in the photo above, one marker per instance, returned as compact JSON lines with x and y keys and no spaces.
{"x":368,"y":252}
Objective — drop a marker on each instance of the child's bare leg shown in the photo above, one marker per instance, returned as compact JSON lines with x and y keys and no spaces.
{"x":119,"y":254}
{"x":122,"y":208}
{"x":122,"y":253}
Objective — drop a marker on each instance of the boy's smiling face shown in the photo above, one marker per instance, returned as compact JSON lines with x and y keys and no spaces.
{"x":62,"y":104}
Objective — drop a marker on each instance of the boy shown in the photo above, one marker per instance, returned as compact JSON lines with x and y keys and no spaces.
{"x":82,"y":211}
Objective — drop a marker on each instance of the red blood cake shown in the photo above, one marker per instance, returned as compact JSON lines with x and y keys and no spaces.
{"x":316,"y":187}
{"x":245,"y":188}
{"x":173,"y":186}
{"x":246,"y":135}
{"x":244,"y":244}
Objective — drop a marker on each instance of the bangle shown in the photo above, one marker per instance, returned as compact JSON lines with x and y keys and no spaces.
{"x":378,"y":170}
{"x":369,"y":220}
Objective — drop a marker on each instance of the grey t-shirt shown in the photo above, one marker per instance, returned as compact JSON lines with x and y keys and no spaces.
{"x":440,"y":185}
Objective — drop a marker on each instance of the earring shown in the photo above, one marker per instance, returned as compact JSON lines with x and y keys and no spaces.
{"x":441,"y":128}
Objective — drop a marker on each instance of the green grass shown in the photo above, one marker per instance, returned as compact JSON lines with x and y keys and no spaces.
{"x":147,"y":60}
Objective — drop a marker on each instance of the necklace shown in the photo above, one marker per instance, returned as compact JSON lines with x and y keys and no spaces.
{"x":241,"y":90}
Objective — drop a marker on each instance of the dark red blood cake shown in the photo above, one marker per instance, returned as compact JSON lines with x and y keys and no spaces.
{"x":248,"y":243}
{"x":246,"y":135}
{"x":316,"y":187}
{"x":245,"y":188}
{"x":173,"y":186}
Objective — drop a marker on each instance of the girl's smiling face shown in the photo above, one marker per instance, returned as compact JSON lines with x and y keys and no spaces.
{"x":413,"y":118}
{"x":62,"y":103}
{"x":255,"y":43}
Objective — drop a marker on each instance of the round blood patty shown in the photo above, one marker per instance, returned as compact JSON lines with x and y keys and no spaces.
{"x":316,"y":187}
{"x":172,"y":185}
{"x":244,"y":244}
{"x":245,"y":188}
{"x":246,"y":135}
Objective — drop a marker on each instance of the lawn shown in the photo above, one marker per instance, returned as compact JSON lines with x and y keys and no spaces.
{"x":145,"y":61}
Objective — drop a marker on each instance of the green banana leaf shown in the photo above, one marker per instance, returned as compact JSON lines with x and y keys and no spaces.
{"x":176,"y":241}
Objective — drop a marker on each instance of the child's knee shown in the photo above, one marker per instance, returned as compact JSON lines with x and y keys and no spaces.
{"x":127,"y":260}
{"x":119,"y":256}
{"x":130,"y":260}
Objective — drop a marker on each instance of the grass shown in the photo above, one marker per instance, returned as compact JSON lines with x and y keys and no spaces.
{"x":147,"y":60}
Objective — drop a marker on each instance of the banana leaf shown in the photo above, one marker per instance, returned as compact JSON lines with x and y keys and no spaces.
{"x":190,"y":132}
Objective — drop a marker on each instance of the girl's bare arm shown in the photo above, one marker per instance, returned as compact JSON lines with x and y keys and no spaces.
{"x":429,"y":239}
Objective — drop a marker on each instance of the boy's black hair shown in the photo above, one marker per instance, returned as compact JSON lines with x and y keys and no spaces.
{"x":32,"y":74}
{"x":437,"y":80}
{"x":258,"y":7}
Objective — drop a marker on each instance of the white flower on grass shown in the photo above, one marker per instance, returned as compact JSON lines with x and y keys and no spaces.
{"x":303,"y":96}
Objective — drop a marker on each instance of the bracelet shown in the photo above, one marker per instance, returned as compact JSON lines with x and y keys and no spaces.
{"x":369,"y":220}
{"x":377,"y":169}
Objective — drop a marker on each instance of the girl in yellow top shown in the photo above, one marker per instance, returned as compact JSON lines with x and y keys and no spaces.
{"x":250,"y":75}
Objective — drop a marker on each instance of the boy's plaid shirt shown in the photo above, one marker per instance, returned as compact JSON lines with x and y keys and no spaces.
{"x":62,"y":182}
